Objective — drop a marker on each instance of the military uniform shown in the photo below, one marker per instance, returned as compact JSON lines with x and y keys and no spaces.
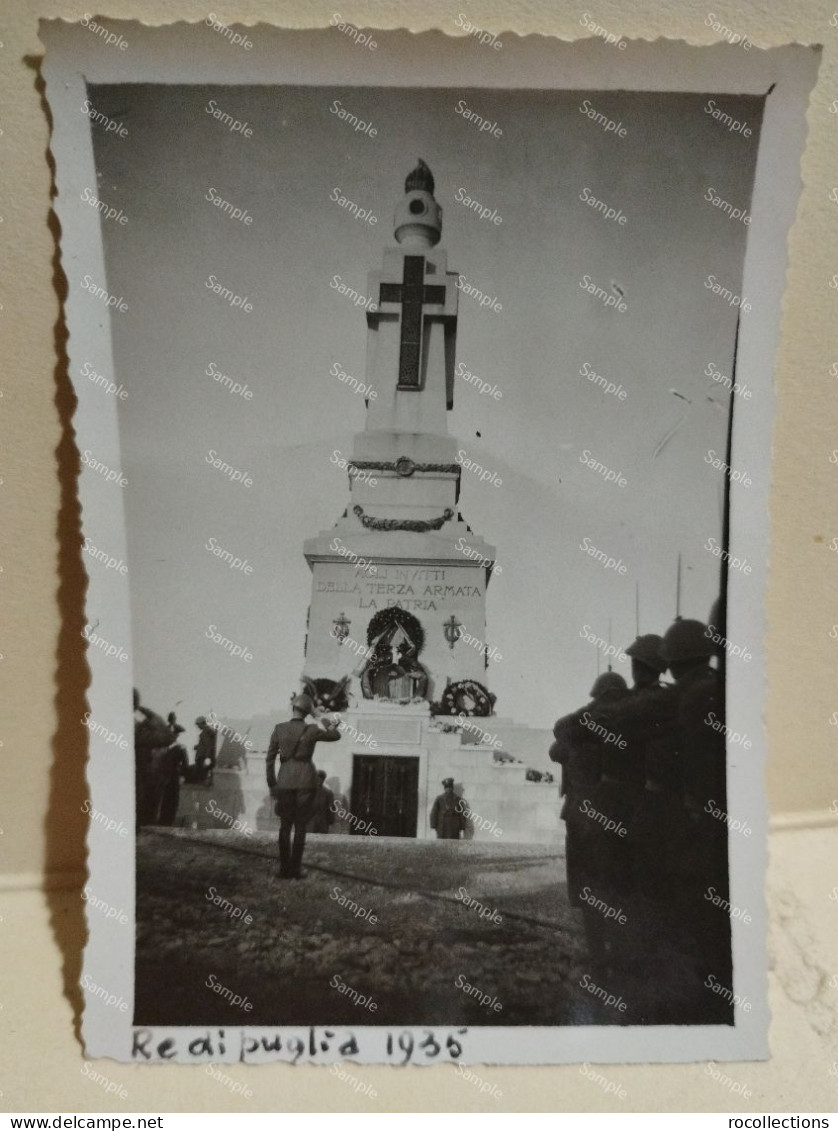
{"x":446,"y":819}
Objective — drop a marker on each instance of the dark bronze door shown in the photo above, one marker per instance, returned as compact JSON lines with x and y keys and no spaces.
{"x":385,"y":792}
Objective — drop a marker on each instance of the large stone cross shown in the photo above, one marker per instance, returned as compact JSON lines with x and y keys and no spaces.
{"x":412,"y":293}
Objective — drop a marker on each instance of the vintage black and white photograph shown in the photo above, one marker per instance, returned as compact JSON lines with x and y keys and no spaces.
{"x":423,"y":405}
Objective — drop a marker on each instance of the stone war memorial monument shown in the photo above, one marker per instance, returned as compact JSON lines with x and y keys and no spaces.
{"x":397,"y":632}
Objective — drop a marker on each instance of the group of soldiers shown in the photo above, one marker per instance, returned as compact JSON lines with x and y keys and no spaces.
{"x":161,"y":762}
{"x":643,"y":848}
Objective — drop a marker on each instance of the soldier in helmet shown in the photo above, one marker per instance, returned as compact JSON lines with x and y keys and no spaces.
{"x":687,"y":649}
{"x":579,"y":752}
{"x":295,"y":787}
{"x":447,"y":817}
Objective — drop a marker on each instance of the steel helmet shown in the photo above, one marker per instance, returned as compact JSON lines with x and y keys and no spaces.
{"x":608,"y":681}
{"x":686,"y":640}
{"x":647,"y":649}
{"x":302,"y":703}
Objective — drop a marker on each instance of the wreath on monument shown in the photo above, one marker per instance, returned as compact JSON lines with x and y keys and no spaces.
{"x":328,"y":694}
{"x":466,"y":697}
{"x":386,"y":619}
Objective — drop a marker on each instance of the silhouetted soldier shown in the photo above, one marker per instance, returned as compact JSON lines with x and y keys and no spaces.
{"x":205,"y":750}
{"x":322,"y":815}
{"x":152,"y":737}
{"x":446,"y":819}
{"x":296,"y":784}
{"x":703,"y":859}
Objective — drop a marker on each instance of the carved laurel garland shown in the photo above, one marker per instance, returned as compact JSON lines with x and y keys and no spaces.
{"x":417,"y":525}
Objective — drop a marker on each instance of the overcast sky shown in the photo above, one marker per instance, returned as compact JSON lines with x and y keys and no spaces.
{"x":533,"y":174}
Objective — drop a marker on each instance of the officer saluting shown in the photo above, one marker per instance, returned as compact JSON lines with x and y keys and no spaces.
{"x":446,"y":818}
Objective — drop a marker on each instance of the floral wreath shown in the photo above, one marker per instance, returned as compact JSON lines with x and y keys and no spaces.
{"x":467,"y":697}
{"x":386,"y":619}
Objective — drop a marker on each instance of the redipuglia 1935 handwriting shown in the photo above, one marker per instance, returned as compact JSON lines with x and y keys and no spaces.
{"x":256,"y":1045}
